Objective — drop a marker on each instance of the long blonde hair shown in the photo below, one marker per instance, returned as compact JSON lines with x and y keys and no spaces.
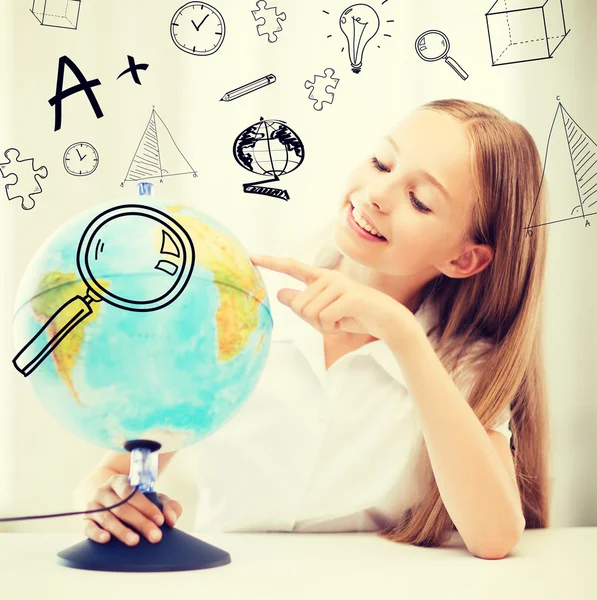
{"x":501,"y":304}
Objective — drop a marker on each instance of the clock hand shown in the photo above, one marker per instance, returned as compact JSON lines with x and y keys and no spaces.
{"x":80,"y":157}
{"x":205,"y":17}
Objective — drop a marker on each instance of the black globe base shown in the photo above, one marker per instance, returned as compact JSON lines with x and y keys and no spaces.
{"x":176,"y":551}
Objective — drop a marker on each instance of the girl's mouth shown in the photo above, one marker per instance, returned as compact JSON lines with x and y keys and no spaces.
{"x":367,"y":235}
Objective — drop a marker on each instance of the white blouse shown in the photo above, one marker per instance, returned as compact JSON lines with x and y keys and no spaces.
{"x":315,"y":450}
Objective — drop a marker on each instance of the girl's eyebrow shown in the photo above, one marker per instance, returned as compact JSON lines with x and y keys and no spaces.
{"x":392,"y":143}
{"x":433,"y":181}
{"x":424,"y":174}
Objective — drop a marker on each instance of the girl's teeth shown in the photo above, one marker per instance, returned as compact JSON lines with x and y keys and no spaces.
{"x":363,"y":224}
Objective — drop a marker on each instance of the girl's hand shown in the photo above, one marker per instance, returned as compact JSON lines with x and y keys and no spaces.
{"x":333,"y":302}
{"x":135,"y":517}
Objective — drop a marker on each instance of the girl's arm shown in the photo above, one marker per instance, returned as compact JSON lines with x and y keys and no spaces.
{"x":474,"y":483}
{"x":473,"y":477}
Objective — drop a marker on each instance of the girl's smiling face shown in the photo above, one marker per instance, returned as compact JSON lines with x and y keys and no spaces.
{"x":416,"y":189}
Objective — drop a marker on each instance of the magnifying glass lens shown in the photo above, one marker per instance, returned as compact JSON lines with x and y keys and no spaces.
{"x":432,"y":46}
{"x":138,"y":257}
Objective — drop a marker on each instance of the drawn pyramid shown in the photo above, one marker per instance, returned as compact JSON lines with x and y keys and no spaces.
{"x":570,"y":168}
{"x":157,"y":154}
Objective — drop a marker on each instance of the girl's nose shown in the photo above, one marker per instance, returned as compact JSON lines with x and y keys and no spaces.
{"x":374,"y":199}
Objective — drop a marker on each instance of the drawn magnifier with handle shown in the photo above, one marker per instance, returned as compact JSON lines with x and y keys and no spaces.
{"x":434,"y":45}
{"x":147,"y":245}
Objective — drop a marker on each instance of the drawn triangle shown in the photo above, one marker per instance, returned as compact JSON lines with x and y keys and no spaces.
{"x":146,"y":162}
{"x":569,"y":171}
{"x":157,"y":154}
{"x":583,"y":154}
{"x":172,"y":159}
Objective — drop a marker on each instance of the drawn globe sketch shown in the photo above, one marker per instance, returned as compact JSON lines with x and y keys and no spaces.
{"x":269,"y":147}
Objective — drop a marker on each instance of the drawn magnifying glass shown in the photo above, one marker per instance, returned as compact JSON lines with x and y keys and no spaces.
{"x":142,"y":241}
{"x":434,"y":45}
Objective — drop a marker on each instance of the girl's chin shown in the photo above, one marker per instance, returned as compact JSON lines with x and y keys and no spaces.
{"x":343,"y":242}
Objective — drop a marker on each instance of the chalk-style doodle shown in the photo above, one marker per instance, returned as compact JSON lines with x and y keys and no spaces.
{"x":271,"y":24}
{"x":270,"y":148}
{"x":359,"y":23}
{"x":434,"y":45}
{"x":568,"y":142}
{"x":157,"y":154}
{"x":25,"y":182}
{"x":7,"y":180}
{"x":525,"y":30}
{"x":57,"y":13}
{"x":322,"y":88}
{"x":198,"y":28}
{"x":82,"y":86}
{"x":80,"y":159}
{"x":247,"y":88}
{"x":133,"y":68}
{"x":174,"y":261}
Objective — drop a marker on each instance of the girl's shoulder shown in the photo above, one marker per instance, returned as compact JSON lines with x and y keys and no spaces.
{"x":475,"y":354}
{"x":471,"y":363}
{"x":428,"y":317}
{"x":479,"y":348}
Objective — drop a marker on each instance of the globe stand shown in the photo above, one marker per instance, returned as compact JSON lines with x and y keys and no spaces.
{"x":176,"y":551}
{"x":253,"y":188}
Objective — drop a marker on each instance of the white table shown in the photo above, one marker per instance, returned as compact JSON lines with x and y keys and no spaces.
{"x":546,"y":564}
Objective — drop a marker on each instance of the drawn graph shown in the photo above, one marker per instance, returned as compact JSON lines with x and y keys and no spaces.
{"x":157,"y":154}
{"x":568,"y":144}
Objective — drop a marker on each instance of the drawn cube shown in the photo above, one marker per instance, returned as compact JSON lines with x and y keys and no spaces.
{"x":525,"y":30}
{"x":57,"y":13}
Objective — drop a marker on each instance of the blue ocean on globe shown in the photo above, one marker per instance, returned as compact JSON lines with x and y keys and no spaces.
{"x":158,"y":357}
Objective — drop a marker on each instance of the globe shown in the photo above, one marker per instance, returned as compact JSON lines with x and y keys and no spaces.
{"x":159,"y":357}
{"x":269,"y":147}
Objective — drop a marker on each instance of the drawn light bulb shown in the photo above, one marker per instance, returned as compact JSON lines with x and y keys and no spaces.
{"x":359,"y":23}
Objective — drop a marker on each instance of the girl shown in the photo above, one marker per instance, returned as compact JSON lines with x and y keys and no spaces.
{"x":401,"y":371}
{"x":446,"y":195}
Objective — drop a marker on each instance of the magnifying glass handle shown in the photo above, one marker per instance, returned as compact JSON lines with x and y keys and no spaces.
{"x":36,"y":350}
{"x":463,"y":74}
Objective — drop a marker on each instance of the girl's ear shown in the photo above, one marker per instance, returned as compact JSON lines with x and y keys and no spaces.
{"x":471,"y":261}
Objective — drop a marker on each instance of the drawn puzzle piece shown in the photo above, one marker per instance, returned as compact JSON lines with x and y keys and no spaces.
{"x":271,"y":24}
{"x":8,"y":180}
{"x":321,"y":88}
{"x":25,"y":183}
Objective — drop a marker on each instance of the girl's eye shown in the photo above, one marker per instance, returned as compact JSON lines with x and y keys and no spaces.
{"x":413,"y":199}
{"x":379,"y":166}
{"x":417,"y":205}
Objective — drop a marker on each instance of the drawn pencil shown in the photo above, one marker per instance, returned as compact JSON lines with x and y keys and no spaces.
{"x":248,"y":88}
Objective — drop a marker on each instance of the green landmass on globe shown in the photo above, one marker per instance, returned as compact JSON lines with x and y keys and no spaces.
{"x":237,"y":315}
{"x":54,"y":290}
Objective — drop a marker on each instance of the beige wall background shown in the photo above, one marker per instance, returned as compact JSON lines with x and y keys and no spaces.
{"x":41,"y":462}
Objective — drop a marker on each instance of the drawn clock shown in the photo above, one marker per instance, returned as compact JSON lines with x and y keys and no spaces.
{"x":198,"y":28}
{"x":81,"y":159}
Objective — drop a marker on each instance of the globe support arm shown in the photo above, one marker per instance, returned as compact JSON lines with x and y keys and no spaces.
{"x":144,"y":470}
